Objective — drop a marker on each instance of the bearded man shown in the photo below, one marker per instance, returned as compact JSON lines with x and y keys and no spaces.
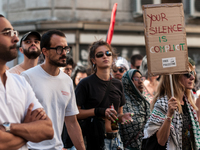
{"x":54,"y":90}
{"x":30,"y":47}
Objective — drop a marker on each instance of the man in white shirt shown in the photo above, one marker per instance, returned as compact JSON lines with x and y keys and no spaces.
{"x":18,"y":123}
{"x":54,"y":89}
{"x":30,"y":48}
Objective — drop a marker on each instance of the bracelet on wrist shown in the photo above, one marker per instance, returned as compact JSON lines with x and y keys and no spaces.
{"x":168,"y":118}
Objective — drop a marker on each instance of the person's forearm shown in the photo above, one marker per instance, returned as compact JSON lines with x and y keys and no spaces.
{"x":76,"y":137}
{"x":36,"y":131}
{"x":10,"y":141}
{"x":163,"y":133}
{"x":83,"y":114}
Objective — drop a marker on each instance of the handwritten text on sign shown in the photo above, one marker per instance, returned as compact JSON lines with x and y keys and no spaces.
{"x":156,"y":30}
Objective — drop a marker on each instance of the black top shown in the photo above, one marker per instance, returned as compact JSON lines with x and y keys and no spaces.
{"x":187,"y":131}
{"x":91,"y":90}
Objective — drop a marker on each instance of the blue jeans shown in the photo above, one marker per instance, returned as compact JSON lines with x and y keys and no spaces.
{"x":72,"y":148}
{"x":112,"y":144}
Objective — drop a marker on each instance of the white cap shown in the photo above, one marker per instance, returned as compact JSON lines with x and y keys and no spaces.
{"x":122,"y":62}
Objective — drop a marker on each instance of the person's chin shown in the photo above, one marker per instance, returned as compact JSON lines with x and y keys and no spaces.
{"x":118,"y":77}
{"x":140,"y":89}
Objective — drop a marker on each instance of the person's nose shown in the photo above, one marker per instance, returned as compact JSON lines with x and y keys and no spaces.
{"x":64,"y":52}
{"x":15,"y":39}
{"x":192,"y":77}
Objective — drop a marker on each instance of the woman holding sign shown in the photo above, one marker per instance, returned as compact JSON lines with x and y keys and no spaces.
{"x":173,"y":123}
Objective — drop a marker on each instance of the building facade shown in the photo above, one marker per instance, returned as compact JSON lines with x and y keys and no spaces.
{"x":84,"y":21}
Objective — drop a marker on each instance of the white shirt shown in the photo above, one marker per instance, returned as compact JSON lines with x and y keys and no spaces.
{"x":56,"y":94}
{"x":15,"y":98}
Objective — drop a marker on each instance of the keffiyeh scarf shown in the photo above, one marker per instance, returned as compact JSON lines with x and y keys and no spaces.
{"x":175,"y":138}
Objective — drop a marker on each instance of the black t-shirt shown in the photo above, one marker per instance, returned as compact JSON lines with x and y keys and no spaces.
{"x":91,"y":90}
{"x":187,"y":131}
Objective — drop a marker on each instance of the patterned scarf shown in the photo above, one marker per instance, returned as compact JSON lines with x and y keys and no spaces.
{"x":136,"y":103}
{"x":175,"y":138}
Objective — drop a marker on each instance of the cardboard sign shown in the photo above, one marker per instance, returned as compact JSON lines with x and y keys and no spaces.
{"x":165,"y":39}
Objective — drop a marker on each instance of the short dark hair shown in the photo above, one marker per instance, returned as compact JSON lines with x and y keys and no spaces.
{"x":92,"y":50}
{"x":134,"y":58}
{"x":70,"y":61}
{"x":2,"y":16}
{"x":46,"y":38}
{"x":76,"y":71}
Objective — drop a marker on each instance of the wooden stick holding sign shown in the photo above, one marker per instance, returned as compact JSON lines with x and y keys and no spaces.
{"x":165,"y":39}
{"x":171,"y":85}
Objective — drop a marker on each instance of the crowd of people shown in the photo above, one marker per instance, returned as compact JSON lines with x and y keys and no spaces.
{"x":112,"y":105}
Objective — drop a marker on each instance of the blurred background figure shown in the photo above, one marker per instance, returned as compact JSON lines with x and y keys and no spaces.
{"x":132,"y":134}
{"x":69,"y":67}
{"x":136,"y":61}
{"x":195,"y":90}
{"x":120,"y":67}
{"x":151,"y":83}
{"x":78,"y":74}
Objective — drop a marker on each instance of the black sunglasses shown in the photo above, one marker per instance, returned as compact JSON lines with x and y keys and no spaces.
{"x":101,"y":54}
{"x":188,"y":75}
{"x":121,"y":70}
{"x":59,"y":49}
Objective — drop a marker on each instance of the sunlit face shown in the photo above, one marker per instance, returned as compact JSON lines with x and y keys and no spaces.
{"x":52,"y":56}
{"x":138,"y":81}
{"x":31,"y":47}
{"x":105,"y":61}
{"x":79,"y":77}
{"x":188,"y":79}
{"x":8,"y":44}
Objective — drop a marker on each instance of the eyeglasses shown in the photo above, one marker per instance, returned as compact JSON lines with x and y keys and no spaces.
{"x":101,"y":54}
{"x":188,"y":75}
{"x":10,"y":33}
{"x":59,"y":49}
{"x":121,"y":70}
{"x":139,"y":78}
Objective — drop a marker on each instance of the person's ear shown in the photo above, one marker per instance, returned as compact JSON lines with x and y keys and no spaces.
{"x":45,"y":52}
{"x":21,"y":50}
{"x":93,"y":61}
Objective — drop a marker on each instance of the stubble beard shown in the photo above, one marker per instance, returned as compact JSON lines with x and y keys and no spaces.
{"x":55,"y":63}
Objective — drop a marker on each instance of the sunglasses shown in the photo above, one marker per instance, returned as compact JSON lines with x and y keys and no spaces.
{"x":188,"y":75}
{"x":101,"y":54}
{"x":137,"y":78}
{"x":121,"y":70}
